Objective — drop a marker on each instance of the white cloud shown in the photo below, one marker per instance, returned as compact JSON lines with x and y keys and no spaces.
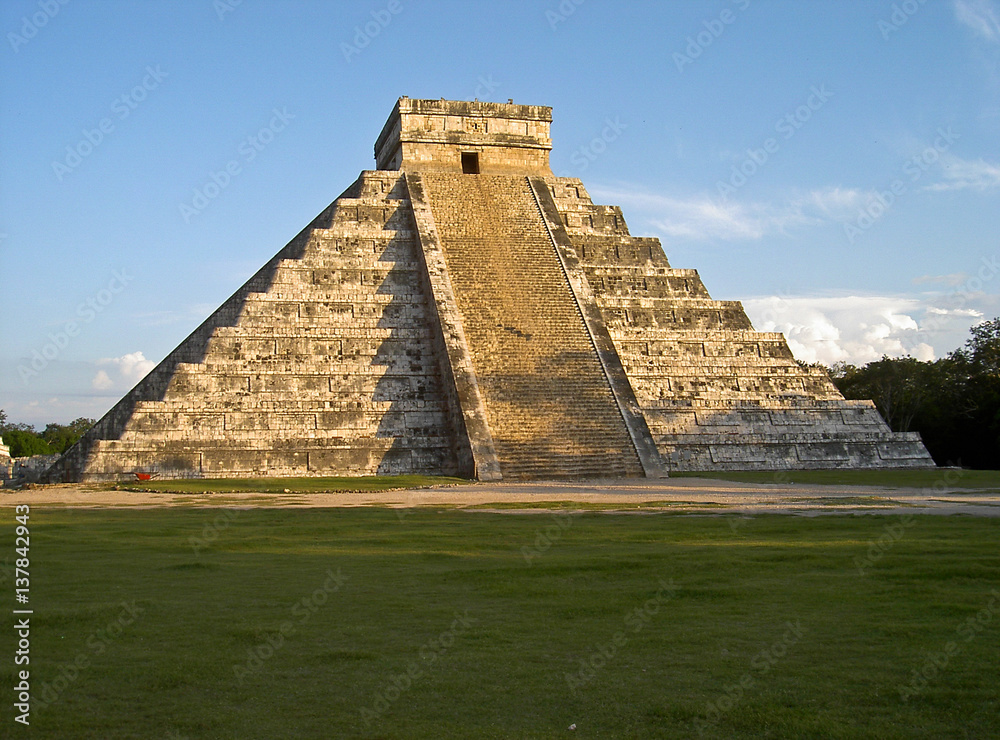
{"x":981,"y":16}
{"x":123,"y":372}
{"x":861,"y":329}
{"x":961,"y":174}
{"x":703,"y":218}
{"x":707,"y":218}
{"x":102,"y":381}
{"x":692,"y":216}
{"x":923,"y":352}
{"x":958,"y":312}
{"x":835,"y":201}
{"x":952,"y":279}
{"x":855,"y":329}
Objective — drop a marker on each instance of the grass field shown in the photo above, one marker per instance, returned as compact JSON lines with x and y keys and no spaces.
{"x":373,"y":623}
{"x":952,"y":478}
{"x":920,"y":478}
{"x":280,"y":485}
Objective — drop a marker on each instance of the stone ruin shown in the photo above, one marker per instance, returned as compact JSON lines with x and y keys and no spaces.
{"x":16,"y":471}
{"x":6,"y":464}
{"x":460,"y":310}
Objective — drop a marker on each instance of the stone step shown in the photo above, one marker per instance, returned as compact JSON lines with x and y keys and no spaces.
{"x":750,"y":405}
{"x":544,"y":388}
{"x":682,"y":334}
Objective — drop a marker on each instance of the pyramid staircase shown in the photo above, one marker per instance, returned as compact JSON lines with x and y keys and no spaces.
{"x":549,"y":404}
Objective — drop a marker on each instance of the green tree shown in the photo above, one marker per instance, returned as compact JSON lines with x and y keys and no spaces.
{"x":24,"y":443}
{"x":979,"y":361}
{"x":897,"y":386}
{"x":953,"y":402}
{"x":982,"y":350}
{"x":61,"y":437}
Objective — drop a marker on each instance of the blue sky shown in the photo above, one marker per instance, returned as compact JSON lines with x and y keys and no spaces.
{"x":835,"y":165}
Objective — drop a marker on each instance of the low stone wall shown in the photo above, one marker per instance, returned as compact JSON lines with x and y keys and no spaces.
{"x":30,"y":469}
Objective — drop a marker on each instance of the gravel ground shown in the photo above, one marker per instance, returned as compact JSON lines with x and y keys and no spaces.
{"x":688,"y":495}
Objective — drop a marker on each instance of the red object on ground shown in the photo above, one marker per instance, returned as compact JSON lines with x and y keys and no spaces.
{"x":143,"y":476}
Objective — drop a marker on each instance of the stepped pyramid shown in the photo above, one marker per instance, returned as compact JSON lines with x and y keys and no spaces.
{"x":462,"y":311}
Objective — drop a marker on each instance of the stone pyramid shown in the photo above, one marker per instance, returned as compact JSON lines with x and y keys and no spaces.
{"x":462,"y":311}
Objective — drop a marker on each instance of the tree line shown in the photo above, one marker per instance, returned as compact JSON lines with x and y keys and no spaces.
{"x":953,"y":402}
{"x":55,"y":439}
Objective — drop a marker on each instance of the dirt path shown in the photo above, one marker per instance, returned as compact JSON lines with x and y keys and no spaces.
{"x":688,"y":495}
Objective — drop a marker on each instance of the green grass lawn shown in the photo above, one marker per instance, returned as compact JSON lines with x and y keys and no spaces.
{"x":375,"y":623}
{"x":280,"y":485}
{"x":951,"y":478}
{"x":924,"y":478}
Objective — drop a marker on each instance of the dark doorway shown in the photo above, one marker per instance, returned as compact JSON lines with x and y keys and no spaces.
{"x":470,"y":163}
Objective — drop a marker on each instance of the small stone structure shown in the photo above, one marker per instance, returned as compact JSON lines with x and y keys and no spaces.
{"x":31,"y":469}
{"x":6,"y":464}
{"x":461,"y":310}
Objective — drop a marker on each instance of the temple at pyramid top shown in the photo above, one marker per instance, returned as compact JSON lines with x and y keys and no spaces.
{"x":466,"y":137}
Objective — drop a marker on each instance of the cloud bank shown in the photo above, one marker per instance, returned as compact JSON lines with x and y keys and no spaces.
{"x":121,"y":373}
{"x":859,"y":329}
